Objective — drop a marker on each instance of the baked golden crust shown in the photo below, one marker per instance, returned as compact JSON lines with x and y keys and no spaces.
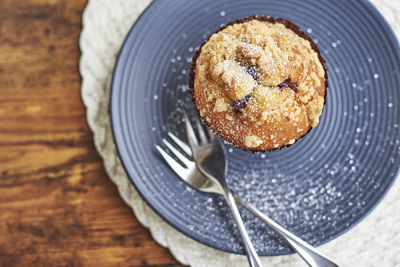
{"x":259,"y":84}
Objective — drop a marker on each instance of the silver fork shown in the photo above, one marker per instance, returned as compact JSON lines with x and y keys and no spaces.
{"x":212,"y":163}
{"x":198,"y":173}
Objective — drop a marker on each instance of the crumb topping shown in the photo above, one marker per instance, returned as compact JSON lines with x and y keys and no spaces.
{"x":259,"y":85}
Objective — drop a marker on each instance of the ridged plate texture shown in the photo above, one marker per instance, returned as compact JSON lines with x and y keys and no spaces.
{"x":319,"y":187}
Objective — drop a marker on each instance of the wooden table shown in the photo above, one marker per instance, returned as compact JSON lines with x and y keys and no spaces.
{"x":57,"y":205}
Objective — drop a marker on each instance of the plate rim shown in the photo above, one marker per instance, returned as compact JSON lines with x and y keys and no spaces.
{"x":393,"y":37}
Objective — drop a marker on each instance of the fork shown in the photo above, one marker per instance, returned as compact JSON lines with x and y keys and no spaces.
{"x":196,"y":175}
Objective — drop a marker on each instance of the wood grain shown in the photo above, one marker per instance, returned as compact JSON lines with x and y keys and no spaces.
{"x":57,"y":205}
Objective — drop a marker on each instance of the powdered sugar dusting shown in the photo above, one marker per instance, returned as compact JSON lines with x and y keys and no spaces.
{"x":319,"y":182}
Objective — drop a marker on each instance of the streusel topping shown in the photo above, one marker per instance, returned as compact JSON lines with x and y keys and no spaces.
{"x":259,"y":85}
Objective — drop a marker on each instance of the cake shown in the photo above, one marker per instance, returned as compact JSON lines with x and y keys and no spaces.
{"x":259,"y":83}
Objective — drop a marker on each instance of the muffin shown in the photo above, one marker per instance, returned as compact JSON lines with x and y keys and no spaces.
{"x":259,"y":83}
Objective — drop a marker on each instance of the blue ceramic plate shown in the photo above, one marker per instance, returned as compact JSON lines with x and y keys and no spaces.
{"x":318,"y":188}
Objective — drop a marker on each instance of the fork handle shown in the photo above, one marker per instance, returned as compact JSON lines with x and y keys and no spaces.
{"x":305,"y":250}
{"x":252,"y":256}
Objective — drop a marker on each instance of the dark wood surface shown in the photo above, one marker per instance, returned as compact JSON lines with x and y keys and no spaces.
{"x":57,"y":205}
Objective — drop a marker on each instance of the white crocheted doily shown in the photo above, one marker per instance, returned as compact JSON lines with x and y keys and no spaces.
{"x":374,"y":242}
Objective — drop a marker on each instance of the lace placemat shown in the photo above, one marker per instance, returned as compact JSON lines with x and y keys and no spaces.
{"x":373,"y":242}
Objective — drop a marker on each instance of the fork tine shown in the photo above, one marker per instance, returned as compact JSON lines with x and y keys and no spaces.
{"x":178,"y":154}
{"x":180,"y":143}
{"x":202,"y":134}
{"x":175,"y":166}
{"x":210,"y":134}
{"x":192,"y":139}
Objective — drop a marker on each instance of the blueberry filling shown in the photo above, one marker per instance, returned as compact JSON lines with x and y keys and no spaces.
{"x":288,"y":84}
{"x":241,"y":103}
{"x":253,"y":71}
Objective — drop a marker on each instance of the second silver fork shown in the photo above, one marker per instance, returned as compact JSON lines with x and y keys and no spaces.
{"x":197,"y":179}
